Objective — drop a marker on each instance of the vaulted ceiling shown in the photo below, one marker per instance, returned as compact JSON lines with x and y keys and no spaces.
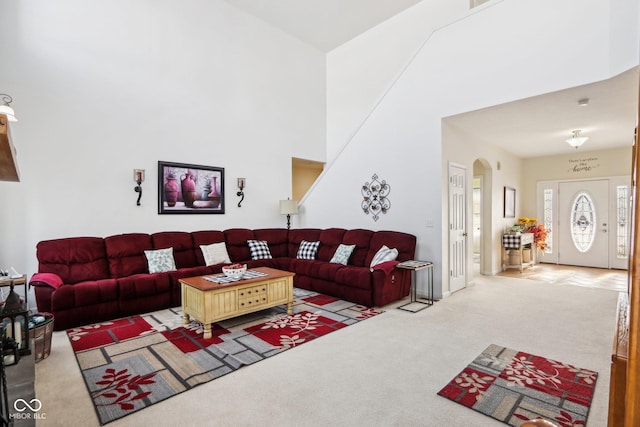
{"x":530,"y":127}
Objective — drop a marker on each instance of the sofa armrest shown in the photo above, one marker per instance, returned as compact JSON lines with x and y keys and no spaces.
{"x":46,"y":279}
{"x":387,"y":267}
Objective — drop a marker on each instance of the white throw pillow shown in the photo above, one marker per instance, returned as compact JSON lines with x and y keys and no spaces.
{"x":160,"y":260}
{"x":383,"y":255}
{"x":215,"y":253}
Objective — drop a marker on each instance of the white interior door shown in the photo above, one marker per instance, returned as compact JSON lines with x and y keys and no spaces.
{"x":583,"y":223}
{"x":457,"y":228}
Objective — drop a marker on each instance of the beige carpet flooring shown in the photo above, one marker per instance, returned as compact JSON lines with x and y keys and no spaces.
{"x":384,"y":371}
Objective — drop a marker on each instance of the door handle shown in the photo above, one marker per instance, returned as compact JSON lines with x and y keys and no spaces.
{"x":464,"y":234}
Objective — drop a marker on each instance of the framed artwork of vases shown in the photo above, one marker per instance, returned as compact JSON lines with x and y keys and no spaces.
{"x":190,"y":189}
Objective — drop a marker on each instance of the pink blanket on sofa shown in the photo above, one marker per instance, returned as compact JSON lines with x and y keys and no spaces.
{"x":50,"y":279}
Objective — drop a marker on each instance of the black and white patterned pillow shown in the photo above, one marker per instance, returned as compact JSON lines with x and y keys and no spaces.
{"x":307,"y":250}
{"x":259,"y":249}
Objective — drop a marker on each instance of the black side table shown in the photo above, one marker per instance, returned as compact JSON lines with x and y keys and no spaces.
{"x":421,"y":303}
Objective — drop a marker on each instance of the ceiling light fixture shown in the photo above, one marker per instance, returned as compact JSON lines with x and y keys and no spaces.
{"x":5,"y":100}
{"x":576,"y":140}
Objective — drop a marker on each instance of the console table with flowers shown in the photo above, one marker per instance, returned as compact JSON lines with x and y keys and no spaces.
{"x":513,"y":246}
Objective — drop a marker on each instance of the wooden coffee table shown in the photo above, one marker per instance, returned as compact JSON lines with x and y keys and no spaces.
{"x":210,"y":302}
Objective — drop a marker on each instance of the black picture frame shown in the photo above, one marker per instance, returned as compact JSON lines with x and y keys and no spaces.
{"x":190,"y":189}
{"x":509,"y":202}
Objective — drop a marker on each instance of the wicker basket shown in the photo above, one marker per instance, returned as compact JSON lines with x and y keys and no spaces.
{"x":40,"y":336}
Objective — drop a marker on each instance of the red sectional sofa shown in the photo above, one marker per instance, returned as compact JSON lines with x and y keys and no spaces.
{"x":83,"y":280}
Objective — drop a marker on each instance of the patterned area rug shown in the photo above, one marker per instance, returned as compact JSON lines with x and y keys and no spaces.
{"x":512,"y":386}
{"x":131,"y":363}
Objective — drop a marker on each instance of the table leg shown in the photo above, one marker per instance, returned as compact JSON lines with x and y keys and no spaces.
{"x":207,"y":331}
{"x":290,"y":308}
{"x":185,"y":318}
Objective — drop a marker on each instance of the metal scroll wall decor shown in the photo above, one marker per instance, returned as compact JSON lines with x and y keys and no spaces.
{"x":376,"y":197}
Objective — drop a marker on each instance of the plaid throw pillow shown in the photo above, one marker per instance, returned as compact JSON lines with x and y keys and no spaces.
{"x":259,"y":249}
{"x":307,"y":250}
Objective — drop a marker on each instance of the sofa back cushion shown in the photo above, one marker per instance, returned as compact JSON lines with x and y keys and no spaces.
{"x":74,"y":259}
{"x":403,"y":242}
{"x":330,"y":239}
{"x":205,"y":237}
{"x":361,"y":238}
{"x":237,"y":246}
{"x":126,"y":254}
{"x":182,"y":244}
{"x":277,"y":238}
{"x":298,"y":235}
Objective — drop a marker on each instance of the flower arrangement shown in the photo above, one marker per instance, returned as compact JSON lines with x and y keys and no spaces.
{"x":530,"y":225}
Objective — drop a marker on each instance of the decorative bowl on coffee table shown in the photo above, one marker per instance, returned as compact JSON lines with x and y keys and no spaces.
{"x":234,"y":271}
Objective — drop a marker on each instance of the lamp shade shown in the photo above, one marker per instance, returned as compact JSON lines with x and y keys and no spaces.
{"x":288,"y":207}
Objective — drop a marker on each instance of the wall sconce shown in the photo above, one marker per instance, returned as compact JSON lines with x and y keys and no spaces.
{"x":288,"y":208}
{"x":6,"y":109}
{"x":138,"y":177}
{"x":241,"y":184}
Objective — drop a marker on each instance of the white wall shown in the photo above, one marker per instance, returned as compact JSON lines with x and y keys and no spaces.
{"x":497,"y":55}
{"x":361,"y":70}
{"x":103,"y":87}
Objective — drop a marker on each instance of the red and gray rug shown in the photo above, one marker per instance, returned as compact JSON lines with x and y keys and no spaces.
{"x":131,"y":363}
{"x":513,"y":387}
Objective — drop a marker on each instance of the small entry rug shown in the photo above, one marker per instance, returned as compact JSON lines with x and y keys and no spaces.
{"x":513,"y":387}
{"x":131,"y":363}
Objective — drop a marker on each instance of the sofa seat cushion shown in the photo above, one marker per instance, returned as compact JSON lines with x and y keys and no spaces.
{"x":182,"y":273}
{"x":84,"y":294}
{"x":356,"y":277}
{"x":315,"y":269}
{"x":277,"y":263}
{"x":144,"y":293}
{"x":141,"y":285}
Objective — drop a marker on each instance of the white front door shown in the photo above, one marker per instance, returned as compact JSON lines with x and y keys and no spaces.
{"x":584,"y":223}
{"x":457,"y":228}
